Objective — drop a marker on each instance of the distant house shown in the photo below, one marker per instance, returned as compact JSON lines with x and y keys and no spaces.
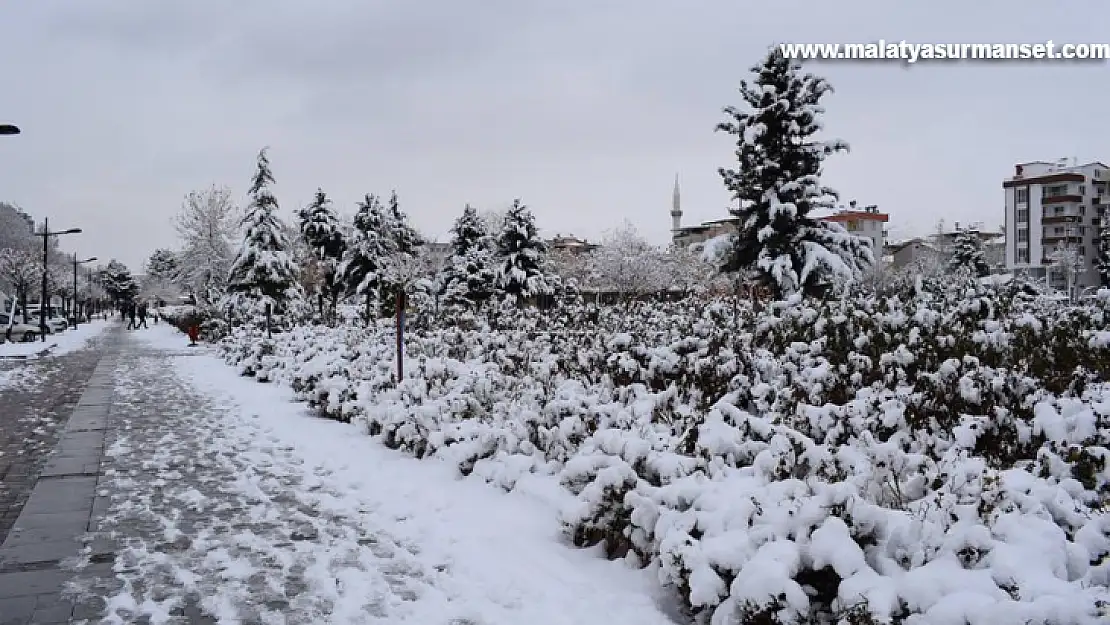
{"x":570,"y":243}
{"x":905,"y":253}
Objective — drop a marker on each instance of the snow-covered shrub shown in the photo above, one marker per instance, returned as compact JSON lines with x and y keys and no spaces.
{"x":929,"y":455}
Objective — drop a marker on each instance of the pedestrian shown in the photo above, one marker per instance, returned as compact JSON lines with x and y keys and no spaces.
{"x":142,"y":316}
{"x":131,"y":313}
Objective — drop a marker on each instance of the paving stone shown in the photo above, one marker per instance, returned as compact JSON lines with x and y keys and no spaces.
{"x":31,"y":583}
{"x":68,"y":520}
{"x":52,"y":616}
{"x":62,"y":467}
{"x":45,"y":534}
{"x":16,"y":610}
{"x":64,"y":494}
{"x":39,"y":552}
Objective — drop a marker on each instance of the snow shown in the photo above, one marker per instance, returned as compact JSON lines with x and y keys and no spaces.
{"x":744,"y":454}
{"x":56,"y":344}
{"x":468,"y":552}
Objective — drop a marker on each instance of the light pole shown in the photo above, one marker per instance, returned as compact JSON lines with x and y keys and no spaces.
{"x":76,"y":312}
{"x":8,"y":129}
{"x":43,"y":302}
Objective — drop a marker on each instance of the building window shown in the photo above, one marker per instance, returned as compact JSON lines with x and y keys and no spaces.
{"x":1058,"y":231}
{"x":1023,"y":236}
{"x":1022,"y":255}
{"x":1082,"y":251}
{"x":1023,"y":215}
{"x":1022,"y":195}
{"x":1082,"y":189}
{"x":1055,"y":190}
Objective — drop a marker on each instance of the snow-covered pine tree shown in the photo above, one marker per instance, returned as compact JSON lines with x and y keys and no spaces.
{"x":368,"y":250}
{"x":320,"y":229}
{"x":263,"y":274}
{"x":119,"y":283}
{"x":777,"y":184}
{"x":968,"y":254}
{"x":471,"y":272}
{"x":520,"y":254}
{"x":1102,"y":261}
{"x":401,"y":267}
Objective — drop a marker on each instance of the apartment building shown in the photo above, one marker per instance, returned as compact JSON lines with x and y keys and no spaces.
{"x":865,"y":222}
{"x":1051,"y":208}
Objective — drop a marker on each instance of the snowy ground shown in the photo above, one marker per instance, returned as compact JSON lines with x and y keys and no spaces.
{"x":56,"y":344}
{"x":233,"y":503}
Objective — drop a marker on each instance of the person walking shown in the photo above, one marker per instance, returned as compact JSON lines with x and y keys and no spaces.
{"x":131,"y":313}
{"x":142,"y":316}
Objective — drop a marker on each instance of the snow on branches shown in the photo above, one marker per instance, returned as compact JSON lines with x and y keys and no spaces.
{"x":263,"y":276}
{"x":777,"y":185}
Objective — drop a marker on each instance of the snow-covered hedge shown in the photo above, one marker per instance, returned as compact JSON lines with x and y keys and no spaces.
{"x":934,"y":458}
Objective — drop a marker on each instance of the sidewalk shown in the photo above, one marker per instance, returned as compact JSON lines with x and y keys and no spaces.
{"x":49,"y":466}
{"x":228,"y":503}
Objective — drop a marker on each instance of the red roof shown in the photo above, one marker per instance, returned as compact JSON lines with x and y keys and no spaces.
{"x":846,"y":215}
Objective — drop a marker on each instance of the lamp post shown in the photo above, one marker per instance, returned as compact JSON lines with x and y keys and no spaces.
{"x":8,"y":129}
{"x":76,"y":312}
{"x":43,"y":302}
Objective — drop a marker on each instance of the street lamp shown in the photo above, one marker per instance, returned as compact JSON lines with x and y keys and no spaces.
{"x":8,"y":129}
{"x":76,"y":312}
{"x":43,"y":302}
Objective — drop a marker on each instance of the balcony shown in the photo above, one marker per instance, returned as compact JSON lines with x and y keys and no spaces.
{"x":1068,"y":217}
{"x":1061,"y":199}
{"x":1056,"y":239}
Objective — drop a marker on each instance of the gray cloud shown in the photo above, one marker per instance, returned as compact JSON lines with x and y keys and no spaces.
{"x":585,"y":110}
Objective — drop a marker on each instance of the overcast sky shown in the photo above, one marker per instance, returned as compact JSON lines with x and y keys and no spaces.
{"x":585,"y":110}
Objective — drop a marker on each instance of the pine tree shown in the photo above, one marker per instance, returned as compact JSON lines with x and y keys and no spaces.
{"x":263,"y":275}
{"x":471,"y":273}
{"x":369,"y":249}
{"x":119,"y":283}
{"x":162,"y":265}
{"x":400,"y":266}
{"x":777,"y":184}
{"x":520,"y":254}
{"x":321,"y":231}
{"x":968,"y":254}
{"x":1102,"y":261}
{"x":469,"y":230}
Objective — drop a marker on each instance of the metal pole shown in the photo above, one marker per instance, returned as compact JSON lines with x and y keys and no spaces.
{"x":400,"y":335}
{"x":45,"y":258}
{"x":74,"y":307}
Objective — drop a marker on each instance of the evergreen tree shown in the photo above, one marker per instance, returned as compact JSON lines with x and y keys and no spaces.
{"x":162,"y":265}
{"x":321,"y":231}
{"x":369,"y":249}
{"x":263,"y":274}
{"x":469,"y":230}
{"x":119,"y":283}
{"x":968,"y":254}
{"x":777,"y":185}
{"x":471,"y":272}
{"x":400,"y":265}
{"x":1102,"y":261}
{"x":520,"y":254}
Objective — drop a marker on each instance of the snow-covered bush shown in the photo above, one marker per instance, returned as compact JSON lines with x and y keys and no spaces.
{"x":928,"y":456}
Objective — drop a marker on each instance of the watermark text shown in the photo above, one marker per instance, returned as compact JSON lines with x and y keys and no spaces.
{"x":908,"y":52}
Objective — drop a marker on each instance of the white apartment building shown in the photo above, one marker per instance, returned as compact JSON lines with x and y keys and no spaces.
{"x":1051,"y":207}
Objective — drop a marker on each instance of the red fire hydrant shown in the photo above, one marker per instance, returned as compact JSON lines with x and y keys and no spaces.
{"x":194,"y":334}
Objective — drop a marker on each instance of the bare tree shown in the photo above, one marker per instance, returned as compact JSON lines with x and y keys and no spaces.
{"x":207,"y":224}
{"x":1067,"y":263}
{"x":627,"y":264}
{"x":20,"y":272}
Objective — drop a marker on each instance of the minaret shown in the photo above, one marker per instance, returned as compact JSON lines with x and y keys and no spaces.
{"x":676,"y":207}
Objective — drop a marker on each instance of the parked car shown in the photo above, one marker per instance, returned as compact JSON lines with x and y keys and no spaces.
{"x":20,"y":331}
{"x":53,"y":324}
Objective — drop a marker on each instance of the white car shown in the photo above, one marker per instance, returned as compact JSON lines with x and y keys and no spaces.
{"x":53,"y":324}
{"x":20,"y":331}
